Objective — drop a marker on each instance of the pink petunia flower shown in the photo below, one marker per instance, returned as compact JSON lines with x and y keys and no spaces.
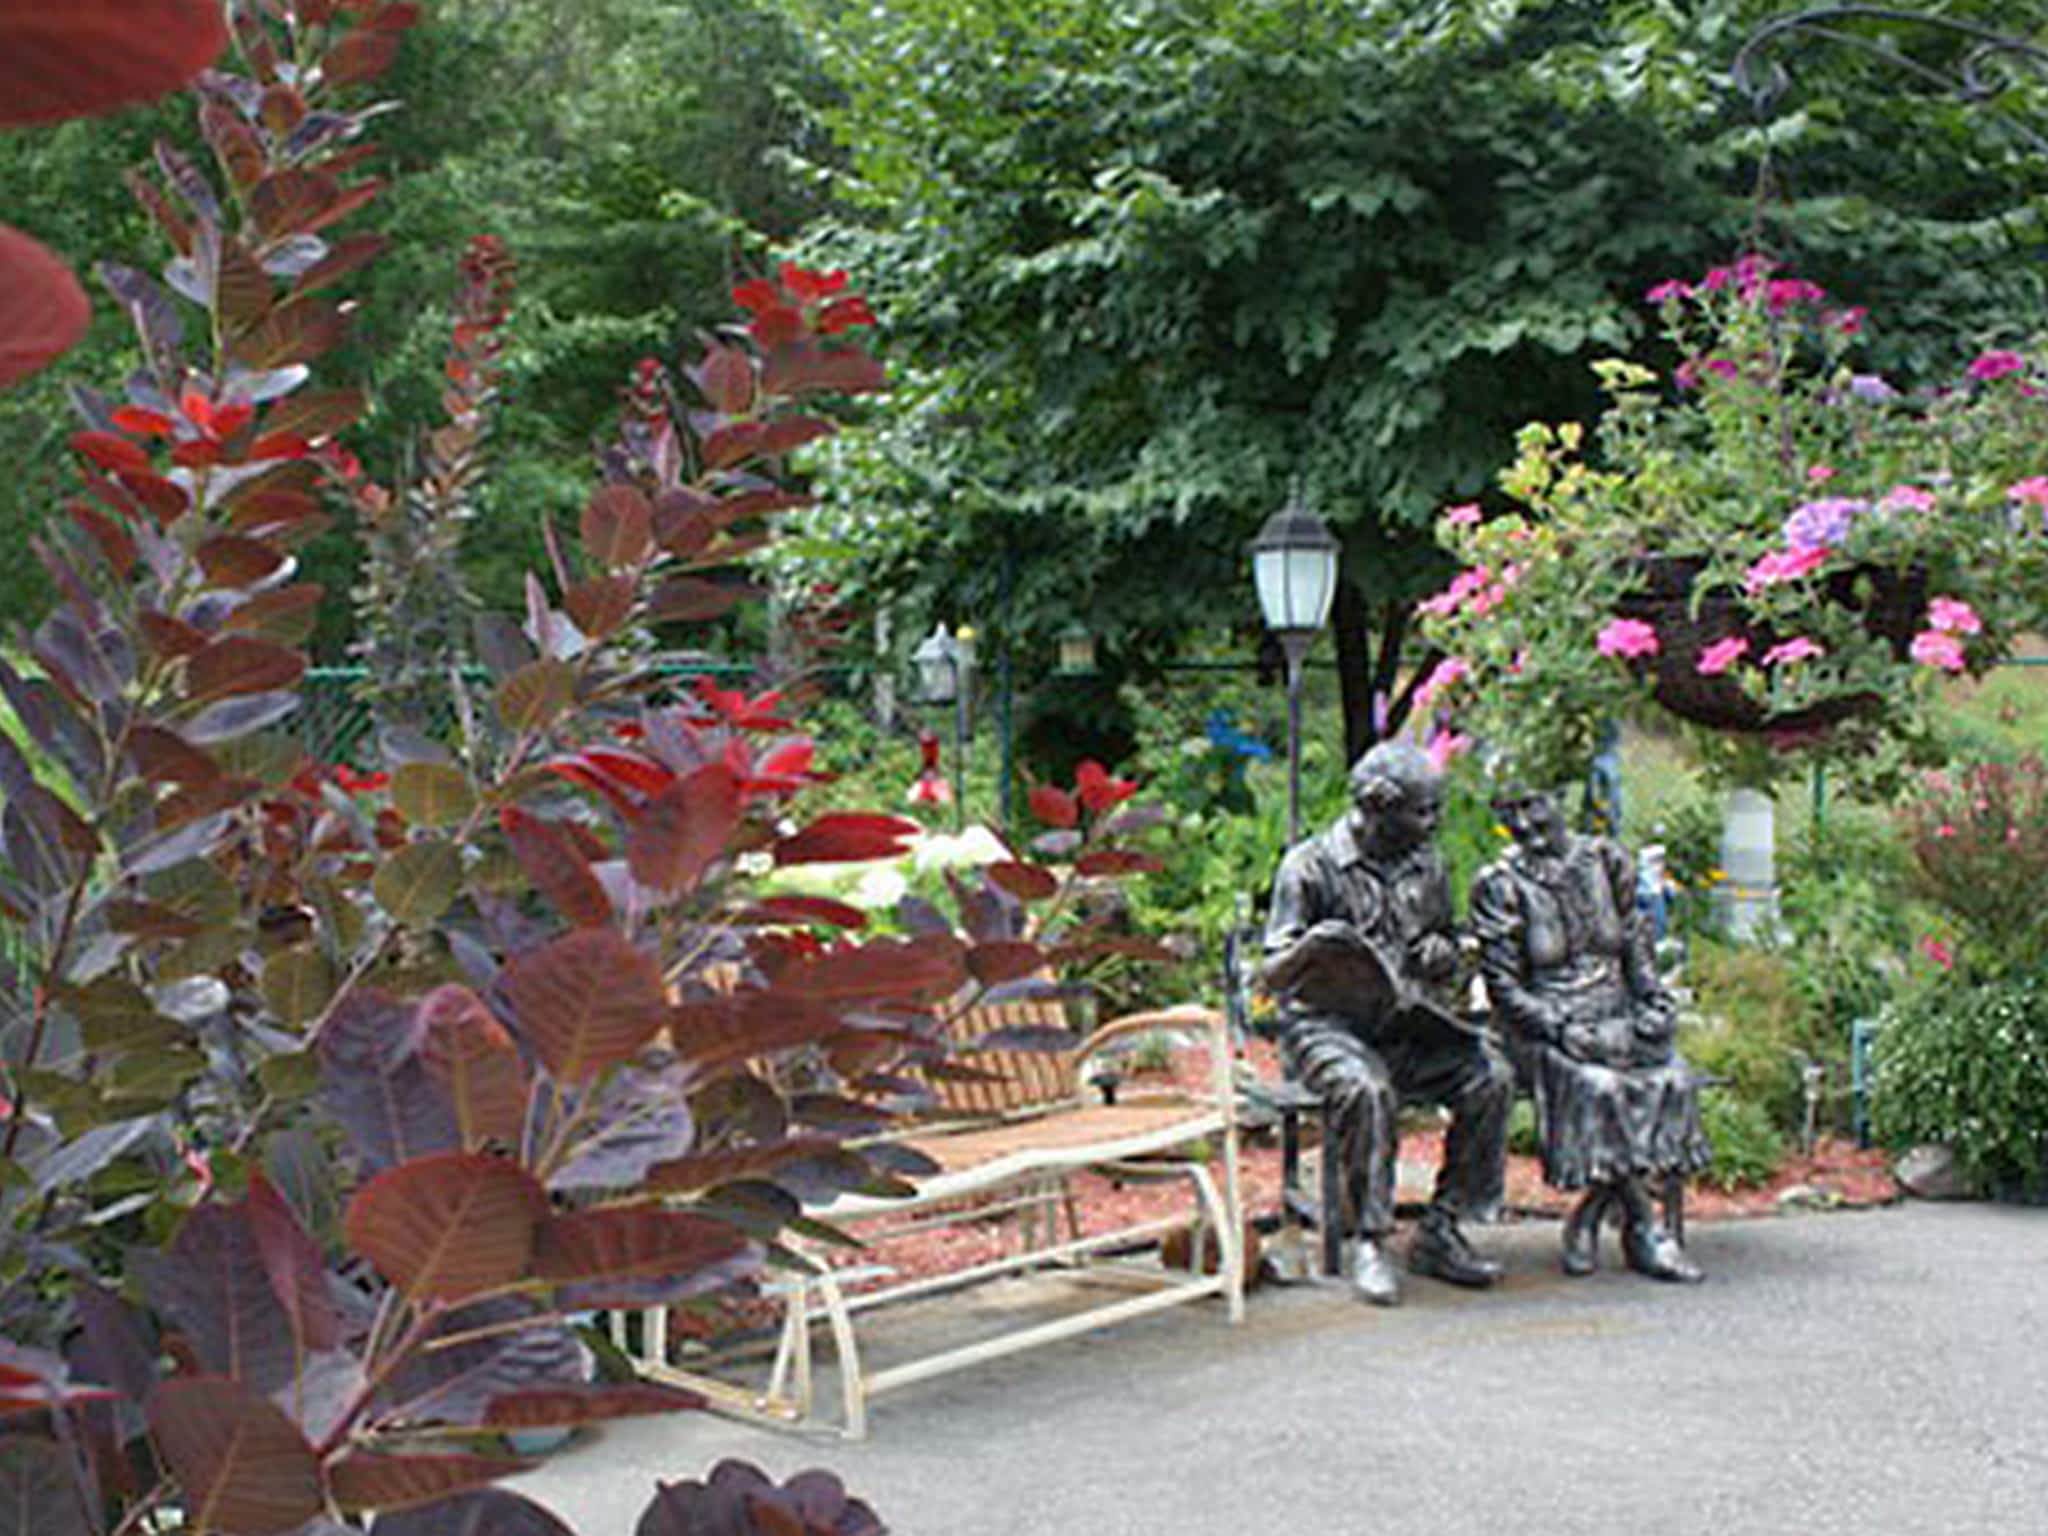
{"x":1447,"y":674}
{"x":1443,"y":746}
{"x":1626,"y":639}
{"x":1952,"y":616}
{"x":1932,"y":648}
{"x":1820,"y":474}
{"x":1783,"y":565}
{"x":1671,"y":288}
{"x":1463,"y":515}
{"x":1797,"y":649}
{"x":2034,"y":488}
{"x":1937,"y":951}
{"x":1721,"y":655}
{"x":1907,"y":498}
{"x":1996,"y":365}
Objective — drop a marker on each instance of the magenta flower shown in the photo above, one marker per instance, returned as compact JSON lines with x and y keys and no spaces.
{"x":1996,"y":365}
{"x":1464,"y":586}
{"x":2034,"y":488}
{"x":1797,"y":649}
{"x":1668,"y":290}
{"x":1937,"y":951}
{"x":1721,"y":655}
{"x":1463,"y":516}
{"x":1932,"y":648}
{"x":1848,"y":321}
{"x":1952,"y":616}
{"x":1626,"y":639}
{"x":1782,"y":293}
{"x":1819,"y":474}
{"x":1783,"y":565}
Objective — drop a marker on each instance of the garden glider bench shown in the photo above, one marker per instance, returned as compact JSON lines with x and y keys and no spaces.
{"x":1008,"y":1144}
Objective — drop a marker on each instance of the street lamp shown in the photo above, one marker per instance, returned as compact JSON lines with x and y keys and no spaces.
{"x":1076,"y":650}
{"x":944,"y":666}
{"x":1294,"y":567}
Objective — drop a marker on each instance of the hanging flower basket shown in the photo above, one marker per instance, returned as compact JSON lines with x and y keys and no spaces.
{"x":1890,"y":604}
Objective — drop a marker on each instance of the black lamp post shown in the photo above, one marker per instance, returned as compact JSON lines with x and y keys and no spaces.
{"x":944,"y":664}
{"x":1294,"y":567}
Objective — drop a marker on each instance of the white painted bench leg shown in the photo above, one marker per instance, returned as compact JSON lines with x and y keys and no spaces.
{"x":853,"y":1386}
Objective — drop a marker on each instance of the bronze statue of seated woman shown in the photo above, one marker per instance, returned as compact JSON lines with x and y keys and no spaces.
{"x":1570,"y":977}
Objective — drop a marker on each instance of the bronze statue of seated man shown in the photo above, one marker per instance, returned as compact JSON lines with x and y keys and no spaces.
{"x":1573,"y":986}
{"x":1360,"y":952}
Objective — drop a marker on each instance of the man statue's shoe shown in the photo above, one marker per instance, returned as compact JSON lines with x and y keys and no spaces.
{"x":1373,"y":1275}
{"x":1440,"y":1250}
{"x":1650,"y":1250}
{"x":1581,"y":1254}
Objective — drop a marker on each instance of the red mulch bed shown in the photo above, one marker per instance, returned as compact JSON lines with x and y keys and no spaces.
{"x":1837,"y":1173}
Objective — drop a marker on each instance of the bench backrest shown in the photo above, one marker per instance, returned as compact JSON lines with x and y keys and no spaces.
{"x":1024,"y":1081}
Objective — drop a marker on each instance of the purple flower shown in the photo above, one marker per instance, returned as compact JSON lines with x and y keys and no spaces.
{"x":1822,"y":524}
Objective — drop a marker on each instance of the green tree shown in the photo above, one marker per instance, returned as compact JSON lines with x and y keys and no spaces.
{"x":1150,"y":262}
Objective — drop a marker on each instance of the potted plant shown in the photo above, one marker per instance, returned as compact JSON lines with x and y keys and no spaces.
{"x":1768,"y":544}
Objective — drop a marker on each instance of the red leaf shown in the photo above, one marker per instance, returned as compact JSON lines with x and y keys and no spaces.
{"x":618,"y":527}
{"x":1098,"y":790}
{"x":165,"y":757}
{"x":285,"y":615}
{"x":1027,"y":882}
{"x":601,"y":604}
{"x":550,"y":1407}
{"x":240,"y":664}
{"x":684,"y":828}
{"x":714,"y":1036}
{"x":241,"y":1465}
{"x":447,"y":1225}
{"x":882,"y":968}
{"x":692,"y":599}
{"x":314,"y":414}
{"x":170,"y":637}
{"x":373,"y":1480}
{"x":295,"y":332}
{"x":109,"y":450}
{"x":168,"y":501}
{"x":847,"y":837}
{"x":473,"y":1058}
{"x":43,"y":311}
{"x":1001,"y":960}
{"x":586,"y":1001}
{"x":1053,"y":806}
{"x":1117,"y":861}
{"x":345,"y":257}
{"x":726,"y":377}
{"x":362,"y":55}
{"x":297,"y":1271}
{"x":625,"y":1244}
{"x":84,"y":57}
{"x":287,"y":202}
{"x":806,"y":909}
{"x":707,"y":1170}
{"x":233,"y":560}
{"x":557,"y":868}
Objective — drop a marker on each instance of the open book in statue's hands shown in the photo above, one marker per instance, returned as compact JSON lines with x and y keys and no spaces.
{"x":1333,"y":968}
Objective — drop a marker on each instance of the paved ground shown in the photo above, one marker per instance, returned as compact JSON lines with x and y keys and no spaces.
{"x":1883,"y":1373}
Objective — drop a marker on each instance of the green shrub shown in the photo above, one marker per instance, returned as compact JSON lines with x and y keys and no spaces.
{"x":1968,"y":1066}
{"x":1749,"y":1028}
{"x":1747,"y":1146}
{"x":1522,"y":1139}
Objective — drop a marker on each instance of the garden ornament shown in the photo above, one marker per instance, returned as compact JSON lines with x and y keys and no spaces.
{"x":1572,"y":981}
{"x":1360,"y":952}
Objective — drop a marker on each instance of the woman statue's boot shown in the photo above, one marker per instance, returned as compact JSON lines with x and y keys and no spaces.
{"x":1582,"y":1232}
{"x":1647,"y":1247}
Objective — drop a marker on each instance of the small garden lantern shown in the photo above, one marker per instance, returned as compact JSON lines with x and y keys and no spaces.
{"x":1076,"y":650}
{"x":945,"y":663}
{"x":937,"y":659}
{"x":1294,"y":567}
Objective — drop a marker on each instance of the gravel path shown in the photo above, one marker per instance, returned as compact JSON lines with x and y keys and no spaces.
{"x":1880,"y":1372}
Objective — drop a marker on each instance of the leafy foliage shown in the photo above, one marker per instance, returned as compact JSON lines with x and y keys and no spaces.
{"x":371,"y":1081}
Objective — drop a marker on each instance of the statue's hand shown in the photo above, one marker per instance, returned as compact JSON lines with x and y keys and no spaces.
{"x":1580,"y":1041}
{"x":1434,"y":958}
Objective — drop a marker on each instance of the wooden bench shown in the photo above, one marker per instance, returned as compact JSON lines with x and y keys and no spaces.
{"x":1006,"y":1145}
